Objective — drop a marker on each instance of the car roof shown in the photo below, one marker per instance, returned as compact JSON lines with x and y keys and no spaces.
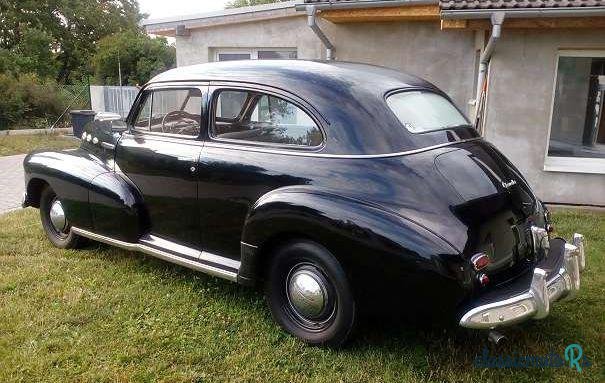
{"x":350,"y":97}
{"x":289,"y":73}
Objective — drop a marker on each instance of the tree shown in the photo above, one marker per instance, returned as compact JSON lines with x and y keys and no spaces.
{"x":248,"y":3}
{"x":141,"y":57}
{"x":69,"y":31}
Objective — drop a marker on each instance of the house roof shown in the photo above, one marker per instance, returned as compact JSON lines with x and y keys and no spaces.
{"x":166,"y":26}
{"x":517,"y":4}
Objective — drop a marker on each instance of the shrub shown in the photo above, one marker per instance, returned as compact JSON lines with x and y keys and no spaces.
{"x":28,"y":101}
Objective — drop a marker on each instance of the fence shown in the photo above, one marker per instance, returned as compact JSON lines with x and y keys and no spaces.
{"x":114,"y":99}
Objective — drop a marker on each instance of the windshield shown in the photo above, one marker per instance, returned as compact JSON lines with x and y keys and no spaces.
{"x":421,"y":111}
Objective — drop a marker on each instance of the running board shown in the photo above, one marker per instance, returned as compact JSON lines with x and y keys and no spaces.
{"x":203,"y":261}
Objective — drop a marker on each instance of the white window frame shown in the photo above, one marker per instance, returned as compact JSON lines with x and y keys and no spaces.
{"x":253,"y":52}
{"x":571,"y":164}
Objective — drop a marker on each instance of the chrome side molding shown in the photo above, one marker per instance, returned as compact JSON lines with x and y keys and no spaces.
{"x":222,"y":267}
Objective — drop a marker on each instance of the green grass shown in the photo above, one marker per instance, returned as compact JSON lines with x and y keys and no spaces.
{"x":103,"y":314}
{"x":21,"y":144}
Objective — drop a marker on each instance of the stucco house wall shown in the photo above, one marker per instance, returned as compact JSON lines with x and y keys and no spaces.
{"x":521,"y":84}
{"x":420,"y":48}
{"x":521,"y":78}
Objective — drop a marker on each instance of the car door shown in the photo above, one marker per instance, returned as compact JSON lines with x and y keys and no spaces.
{"x":159,"y":155}
{"x":233,"y":178}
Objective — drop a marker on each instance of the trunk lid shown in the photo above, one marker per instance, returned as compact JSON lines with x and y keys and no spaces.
{"x":496,"y":205}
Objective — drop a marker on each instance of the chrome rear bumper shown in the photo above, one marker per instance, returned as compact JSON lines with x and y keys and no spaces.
{"x":558,"y":279}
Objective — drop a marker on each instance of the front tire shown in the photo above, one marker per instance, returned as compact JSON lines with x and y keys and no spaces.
{"x":309,"y":294}
{"x":54,"y":222}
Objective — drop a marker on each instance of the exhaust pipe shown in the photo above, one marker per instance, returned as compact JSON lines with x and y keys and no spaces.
{"x":496,"y":338}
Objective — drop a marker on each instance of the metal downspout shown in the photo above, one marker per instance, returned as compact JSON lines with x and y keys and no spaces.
{"x":497,"y":20}
{"x":312,"y":23}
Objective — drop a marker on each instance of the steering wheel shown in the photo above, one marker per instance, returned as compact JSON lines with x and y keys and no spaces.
{"x":179,"y":114}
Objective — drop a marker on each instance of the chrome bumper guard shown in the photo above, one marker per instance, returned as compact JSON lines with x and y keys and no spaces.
{"x":545,"y":288}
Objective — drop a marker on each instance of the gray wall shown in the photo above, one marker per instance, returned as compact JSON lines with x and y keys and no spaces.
{"x":420,"y":48}
{"x":522,"y":75}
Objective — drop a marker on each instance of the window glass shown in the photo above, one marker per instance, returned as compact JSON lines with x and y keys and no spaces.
{"x":270,"y":55}
{"x":253,"y":116}
{"x":142,"y":119}
{"x":578,"y":125}
{"x":425,"y":111}
{"x":233,"y":56}
{"x":176,"y":111}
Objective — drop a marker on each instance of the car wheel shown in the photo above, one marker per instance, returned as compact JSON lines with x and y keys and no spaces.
{"x":309,"y":294}
{"x":55,"y":224}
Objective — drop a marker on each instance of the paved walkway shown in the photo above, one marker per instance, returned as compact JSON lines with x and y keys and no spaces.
{"x":11,"y":182}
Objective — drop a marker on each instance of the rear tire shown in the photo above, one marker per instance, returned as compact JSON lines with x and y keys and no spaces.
{"x":58,"y":231}
{"x":309,"y":294}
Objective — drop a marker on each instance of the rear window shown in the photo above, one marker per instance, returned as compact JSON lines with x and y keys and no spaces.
{"x":421,"y":111}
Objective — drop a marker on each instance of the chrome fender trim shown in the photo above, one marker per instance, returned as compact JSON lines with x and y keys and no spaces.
{"x":184,"y":261}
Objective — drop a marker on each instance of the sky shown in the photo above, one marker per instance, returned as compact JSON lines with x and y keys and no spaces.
{"x":157,"y":9}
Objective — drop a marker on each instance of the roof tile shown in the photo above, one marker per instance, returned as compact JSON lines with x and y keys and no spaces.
{"x":508,"y":4}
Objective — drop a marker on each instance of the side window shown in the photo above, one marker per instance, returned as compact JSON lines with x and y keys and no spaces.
{"x":142,"y":119}
{"x":258,"y":117}
{"x":174,"y":111}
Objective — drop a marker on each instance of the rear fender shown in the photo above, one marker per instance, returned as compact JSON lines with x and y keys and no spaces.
{"x":376,"y":246}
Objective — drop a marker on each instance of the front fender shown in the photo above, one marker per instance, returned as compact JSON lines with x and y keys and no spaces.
{"x":69,"y":174}
{"x":378,"y":247}
{"x":93,"y":195}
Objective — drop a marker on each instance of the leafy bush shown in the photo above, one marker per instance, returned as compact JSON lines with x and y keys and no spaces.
{"x":29,"y":101}
{"x":141,"y":57}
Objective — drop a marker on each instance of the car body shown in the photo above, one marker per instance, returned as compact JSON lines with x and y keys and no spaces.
{"x":369,"y":178}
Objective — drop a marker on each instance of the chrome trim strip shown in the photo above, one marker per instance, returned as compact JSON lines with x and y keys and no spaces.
{"x":171,"y":247}
{"x":208,"y":269}
{"x":227,"y":262}
{"x":214,"y":144}
{"x":248,"y":245}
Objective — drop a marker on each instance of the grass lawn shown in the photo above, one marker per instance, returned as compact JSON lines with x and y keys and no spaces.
{"x":10,"y":145}
{"x":103,"y":314}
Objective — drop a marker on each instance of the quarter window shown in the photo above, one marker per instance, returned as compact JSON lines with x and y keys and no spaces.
{"x":173,"y":111}
{"x":258,"y":117}
{"x":142,"y":120}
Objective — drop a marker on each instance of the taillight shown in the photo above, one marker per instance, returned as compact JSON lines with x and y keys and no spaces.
{"x":480,"y":261}
{"x":483,"y":279}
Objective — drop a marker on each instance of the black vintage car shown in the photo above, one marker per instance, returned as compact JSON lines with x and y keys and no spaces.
{"x":333,"y":184}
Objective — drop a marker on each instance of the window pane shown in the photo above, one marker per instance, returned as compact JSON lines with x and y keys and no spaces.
{"x":142,"y":120}
{"x":233,"y":56}
{"x":264,"y":118}
{"x":425,"y":111}
{"x":230,"y":104}
{"x":177,"y":111}
{"x":268,"y":55}
{"x":578,"y":127}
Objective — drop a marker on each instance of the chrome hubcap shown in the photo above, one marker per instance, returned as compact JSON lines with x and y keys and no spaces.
{"x":307,"y":293}
{"x":57,"y":216}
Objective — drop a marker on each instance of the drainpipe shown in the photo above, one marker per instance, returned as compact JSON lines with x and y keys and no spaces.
{"x":497,"y":20}
{"x":312,"y":23}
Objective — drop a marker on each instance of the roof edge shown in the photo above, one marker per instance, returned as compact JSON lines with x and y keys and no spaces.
{"x":162,"y":24}
{"x":485,"y":13}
